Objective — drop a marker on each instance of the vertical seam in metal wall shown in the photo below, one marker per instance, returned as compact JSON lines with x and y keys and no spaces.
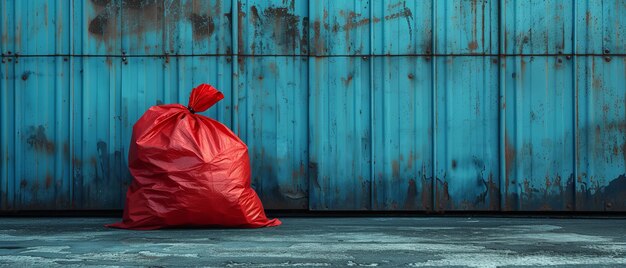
{"x":58,"y":110}
{"x":4,"y":145}
{"x":17,"y":159}
{"x":71,"y":104}
{"x":4,"y":121}
{"x":235,"y":47}
{"x":501,"y":104}
{"x":308,"y":110}
{"x":371,"y":95}
{"x":433,"y":111}
{"x":83,"y":118}
{"x":575,"y":104}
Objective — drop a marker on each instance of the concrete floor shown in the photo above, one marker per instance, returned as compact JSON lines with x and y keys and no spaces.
{"x":311,"y":242}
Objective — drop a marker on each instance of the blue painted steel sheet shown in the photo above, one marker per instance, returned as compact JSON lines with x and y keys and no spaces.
{"x":538,"y":27}
{"x":345,"y":105}
{"x":600,"y":133}
{"x":402,"y":134}
{"x":539,"y":137}
{"x":339,"y":130}
{"x":273,"y":115}
{"x":466,"y":27}
{"x":467,"y":166}
{"x":271,"y":106}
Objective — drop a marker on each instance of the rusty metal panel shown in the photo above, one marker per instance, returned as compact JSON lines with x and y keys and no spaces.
{"x":7,"y":157}
{"x":600,"y":27}
{"x":148,"y":27}
{"x":467,"y":166}
{"x":35,"y":170}
{"x":538,"y":26}
{"x":339,"y":106}
{"x":402,"y":27}
{"x":274,"y":27}
{"x":539,"y":140}
{"x":273,"y":120}
{"x":402,"y":134}
{"x":466,"y":27}
{"x":339,"y":127}
{"x":116,"y":27}
{"x":271,"y":111}
{"x":35,"y":27}
{"x":96,"y":28}
{"x":601,"y":133}
{"x":339,"y":27}
{"x":96,"y":150}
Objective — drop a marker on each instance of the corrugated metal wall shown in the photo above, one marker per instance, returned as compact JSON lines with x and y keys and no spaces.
{"x":345,"y":105}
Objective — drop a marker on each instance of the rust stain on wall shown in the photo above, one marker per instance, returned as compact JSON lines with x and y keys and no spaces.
{"x":411,"y":195}
{"x":509,"y":156}
{"x":347,"y":80}
{"x":48,"y":181}
{"x":472,"y":46}
{"x":240,"y":18}
{"x":427,"y":193}
{"x":38,"y":140}
{"x":140,"y":16}
{"x":395,"y":169}
{"x":317,"y":38}
{"x":203,"y":25}
{"x":352,"y":22}
{"x":624,"y":153}
{"x":283,"y":26}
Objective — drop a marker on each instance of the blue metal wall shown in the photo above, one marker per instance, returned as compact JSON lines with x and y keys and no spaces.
{"x":345,"y":105}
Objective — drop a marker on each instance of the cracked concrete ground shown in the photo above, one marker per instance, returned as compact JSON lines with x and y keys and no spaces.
{"x":312,"y":242}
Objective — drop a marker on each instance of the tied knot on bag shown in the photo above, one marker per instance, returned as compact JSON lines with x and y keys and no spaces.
{"x":203,"y":97}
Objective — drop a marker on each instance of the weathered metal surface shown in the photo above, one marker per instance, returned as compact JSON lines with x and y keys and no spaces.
{"x":273,"y":114}
{"x":599,"y":27}
{"x":339,"y":27}
{"x":538,"y":27}
{"x":467,"y":167}
{"x":466,"y":27}
{"x":273,"y":27}
{"x":402,"y":134}
{"x":339,"y":134}
{"x":600,"y":134}
{"x":539,"y":134}
{"x":345,"y":105}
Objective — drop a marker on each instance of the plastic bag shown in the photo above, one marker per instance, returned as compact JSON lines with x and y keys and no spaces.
{"x":189,"y":170}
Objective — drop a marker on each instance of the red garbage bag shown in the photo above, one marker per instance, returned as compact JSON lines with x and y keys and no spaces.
{"x":189,"y":170}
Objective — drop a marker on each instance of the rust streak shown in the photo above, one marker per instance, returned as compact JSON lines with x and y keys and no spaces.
{"x":410,"y":160}
{"x":317,"y":38}
{"x":411,"y":195}
{"x":39,"y":141}
{"x":48,"y":181}
{"x":509,"y":155}
{"x":202,"y":25}
{"x":346,"y":81}
{"x":472,"y":46}
{"x":426,"y":193}
{"x":395,"y":168}
{"x":624,"y":152}
{"x":240,"y":16}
